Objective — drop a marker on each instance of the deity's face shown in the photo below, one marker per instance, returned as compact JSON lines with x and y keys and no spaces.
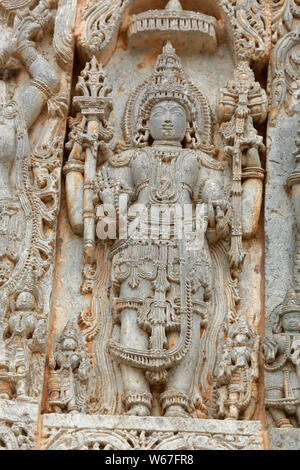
{"x":69,"y":344}
{"x":168,"y":121}
{"x":25,"y":301}
{"x":291,"y":321}
{"x":240,"y":339}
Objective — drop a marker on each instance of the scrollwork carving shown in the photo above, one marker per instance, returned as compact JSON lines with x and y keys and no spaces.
{"x":285,"y":69}
{"x":284,"y":12}
{"x":249,"y":26}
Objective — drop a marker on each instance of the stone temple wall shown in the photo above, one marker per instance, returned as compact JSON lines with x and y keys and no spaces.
{"x":149,"y":224}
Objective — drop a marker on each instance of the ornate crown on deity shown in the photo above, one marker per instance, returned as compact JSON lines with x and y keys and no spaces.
{"x":168,"y":82}
{"x":291,"y":303}
{"x":69,"y":331}
{"x":240,"y":326}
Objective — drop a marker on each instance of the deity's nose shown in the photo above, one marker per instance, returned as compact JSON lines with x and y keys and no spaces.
{"x":168,"y":116}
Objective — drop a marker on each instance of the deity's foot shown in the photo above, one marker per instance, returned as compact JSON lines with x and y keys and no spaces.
{"x":287,"y":426}
{"x":284,"y":423}
{"x":138,"y":410}
{"x":176,"y":411}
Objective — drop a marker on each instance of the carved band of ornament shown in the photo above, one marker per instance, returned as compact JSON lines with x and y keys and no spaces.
{"x":286,"y":67}
{"x":131,"y":399}
{"x":73,"y":165}
{"x":294,"y":178}
{"x":253,"y":172}
{"x":28,"y":52}
{"x":88,"y":214}
{"x":281,"y":402}
{"x":89,"y":185}
{"x":170,"y":397}
{"x":166,"y":21}
{"x":120,"y":304}
{"x":237,"y":232}
{"x":43,"y":87}
{"x":15,"y":4}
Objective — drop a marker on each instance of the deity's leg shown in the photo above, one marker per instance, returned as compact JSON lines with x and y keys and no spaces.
{"x":233,"y":409}
{"x":21,"y":387}
{"x":137,"y":396}
{"x":175,"y":399}
{"x":278,"y":415}
{"x":296,"y":393}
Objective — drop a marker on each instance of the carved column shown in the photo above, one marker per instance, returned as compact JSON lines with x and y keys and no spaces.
{"x":280,"y":346}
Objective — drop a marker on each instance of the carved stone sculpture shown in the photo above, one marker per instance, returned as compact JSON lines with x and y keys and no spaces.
{"x":162,"y":284}
{"x":135,"y":284}
{"x":281,"y":352}
{"x":238,"y":370}
{"x":23,"y":336}
{"x":69,"y":373}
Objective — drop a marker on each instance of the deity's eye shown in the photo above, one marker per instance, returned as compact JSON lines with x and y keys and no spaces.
{"x":158,"y":111}
{"x":178,"y":112}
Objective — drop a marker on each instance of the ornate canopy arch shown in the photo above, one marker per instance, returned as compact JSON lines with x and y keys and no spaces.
{"x":246,"y":23}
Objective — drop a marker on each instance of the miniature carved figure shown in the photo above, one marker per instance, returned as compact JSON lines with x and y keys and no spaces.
{"x":23,"y":335}
{"x":69,"y":373}
{"x":238,"y":371}
{"x":281,"y":353}
{"x":162,"y":285}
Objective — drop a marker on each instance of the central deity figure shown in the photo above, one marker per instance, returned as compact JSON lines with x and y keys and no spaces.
{"x":162,"y":286}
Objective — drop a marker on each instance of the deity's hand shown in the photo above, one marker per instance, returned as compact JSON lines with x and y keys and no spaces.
{"x":106,"y":187}
{"x":84,"y":369}
{"x":74,"y":361}
{"x":28,"y":23}
{"x":221,"y":208}
{"x":269,"y":349}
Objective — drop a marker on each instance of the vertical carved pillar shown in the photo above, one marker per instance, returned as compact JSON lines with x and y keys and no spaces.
{"x":280,"y":346}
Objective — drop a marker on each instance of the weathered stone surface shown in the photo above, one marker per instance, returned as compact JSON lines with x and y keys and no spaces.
{"x":109,"y":340}
{"x":18,"y":425}
{"x":284,"y":439}
{"x":137,"y":433}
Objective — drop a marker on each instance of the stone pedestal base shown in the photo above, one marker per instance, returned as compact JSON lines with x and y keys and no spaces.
{"x":78,"y":431}
{"x":284,"y":439}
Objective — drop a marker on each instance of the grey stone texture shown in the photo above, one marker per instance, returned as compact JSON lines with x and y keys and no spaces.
{"x":154,"y":343}
{"x":284,"y":439}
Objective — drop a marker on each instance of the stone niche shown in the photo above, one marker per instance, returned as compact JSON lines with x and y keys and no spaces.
{"x":149,"y":269}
